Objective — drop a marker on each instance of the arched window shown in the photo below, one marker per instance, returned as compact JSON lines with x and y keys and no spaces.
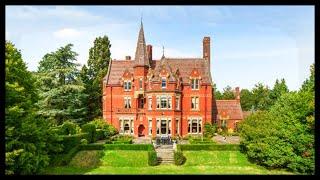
{"x":126,"y":127}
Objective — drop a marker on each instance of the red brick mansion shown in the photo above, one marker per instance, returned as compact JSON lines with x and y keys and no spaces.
{"x":172,"y":96}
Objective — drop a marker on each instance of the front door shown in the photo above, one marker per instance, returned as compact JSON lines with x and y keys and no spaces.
{"x":141,"y":130}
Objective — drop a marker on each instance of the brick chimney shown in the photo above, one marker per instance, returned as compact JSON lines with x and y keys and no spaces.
{"x":237,"y":94}
{"x":149,"y":52}
{"x":206,"y":49}
{"x":128,"y":58}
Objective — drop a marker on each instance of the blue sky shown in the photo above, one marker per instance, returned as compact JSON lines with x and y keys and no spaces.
{"x":249,"y":44}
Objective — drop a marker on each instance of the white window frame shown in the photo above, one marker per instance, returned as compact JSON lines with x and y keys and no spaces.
{"x":126,"y":85}
{"x":131,"y":125}
{"x":195,"y":83}
{"x":167,"y":99}
{"x":168,"y":125}
{"x":127,"y":102}
{"x":198,"y":121}
{"x":195,"y":102}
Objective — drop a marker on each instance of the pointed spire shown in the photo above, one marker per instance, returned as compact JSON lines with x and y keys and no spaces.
{"x":162,"y":51}
{"x":141,"y":53}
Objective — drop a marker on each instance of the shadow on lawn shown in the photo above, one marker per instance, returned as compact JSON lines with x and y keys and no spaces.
{"x":82,"y":163}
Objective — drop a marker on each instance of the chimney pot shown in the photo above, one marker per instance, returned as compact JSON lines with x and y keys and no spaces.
{"x":149,"y":52}
{"x":128,"y":57}
{"x":237,"y":93}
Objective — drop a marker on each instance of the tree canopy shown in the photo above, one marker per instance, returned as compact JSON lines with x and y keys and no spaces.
{"x":28,"y":138}
{"x":62,"y":91}
{"x":93,"y":73}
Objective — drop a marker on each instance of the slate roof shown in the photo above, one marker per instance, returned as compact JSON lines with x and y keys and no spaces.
{"x":185,"y":66}
{"x":232,"y":108}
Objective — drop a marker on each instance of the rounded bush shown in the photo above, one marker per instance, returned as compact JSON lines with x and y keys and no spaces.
{"x":83,"y":141}
{"x":179,"y":158}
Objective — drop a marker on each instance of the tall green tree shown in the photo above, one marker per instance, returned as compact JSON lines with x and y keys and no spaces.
{"x":28,"y":138}
{"x":217,"y":94}
{"x":228,"y":93}
{"x":308,"y":84}
{"x":93,"y":73}
{"x":62,"y":91}
{"x":261,"y":97}
{"x":246,"y":100}
{"x":279,"y":89}
{"x":283,"y":135}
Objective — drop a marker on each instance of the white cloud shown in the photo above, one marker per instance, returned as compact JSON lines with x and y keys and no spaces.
{"x":67,"y":33}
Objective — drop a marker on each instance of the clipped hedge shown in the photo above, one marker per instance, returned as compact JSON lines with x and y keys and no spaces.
{"x":179,"y":158}
{"x":71,"y":141}
{"x":142,"y":147}
{"x":200,"y":141}
{"x":64,"y":159}
{"x":208,"y":147}
{"x":91,"y":130}
{"x":92,"y":147}
{"x":152,"y":158}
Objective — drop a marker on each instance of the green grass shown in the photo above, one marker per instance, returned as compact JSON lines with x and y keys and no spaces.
{"x":135,"y":162}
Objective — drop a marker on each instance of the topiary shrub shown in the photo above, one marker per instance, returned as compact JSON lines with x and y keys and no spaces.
{"x":179,"y":158}
{"x":152,"y":158}
{"x":91,"y":130}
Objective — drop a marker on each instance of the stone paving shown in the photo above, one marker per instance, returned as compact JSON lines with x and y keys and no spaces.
{"x":165,"y":154}
{"x":229,"y":139}
{"x":141,"y":140}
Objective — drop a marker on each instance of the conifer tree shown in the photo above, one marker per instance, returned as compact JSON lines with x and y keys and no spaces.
{"x":62,"y":91}
{"x":93,"y":73}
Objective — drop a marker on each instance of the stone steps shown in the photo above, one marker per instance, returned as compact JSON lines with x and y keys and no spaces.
{"x":165,"y":154}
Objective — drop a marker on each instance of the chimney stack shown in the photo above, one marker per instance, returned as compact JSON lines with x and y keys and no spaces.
{"x":237,"y":94}
{"x":206,"y":49}
{"x":149,"y":52}
{"x":128,"y":58}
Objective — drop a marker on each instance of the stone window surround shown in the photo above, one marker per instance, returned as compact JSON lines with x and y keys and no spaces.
{"x":196,"y":108}
{"x":199,"y":121}
{"x":131,"y":125}
{"x":126,"y":85}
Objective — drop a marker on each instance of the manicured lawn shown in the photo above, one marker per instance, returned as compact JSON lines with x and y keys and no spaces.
{"x":135,"y":162}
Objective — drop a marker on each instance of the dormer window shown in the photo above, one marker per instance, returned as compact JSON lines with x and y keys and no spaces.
{"x":127,"y":85}
{"x":163,"y":82}
{"x":194,"y":84}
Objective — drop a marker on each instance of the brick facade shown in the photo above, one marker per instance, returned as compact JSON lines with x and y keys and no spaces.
{"x":147,"y":97}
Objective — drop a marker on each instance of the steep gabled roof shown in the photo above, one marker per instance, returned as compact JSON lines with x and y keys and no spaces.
{"x":116,"y":70}
{"x":185,"y":66}
{"x":231,"y":108}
